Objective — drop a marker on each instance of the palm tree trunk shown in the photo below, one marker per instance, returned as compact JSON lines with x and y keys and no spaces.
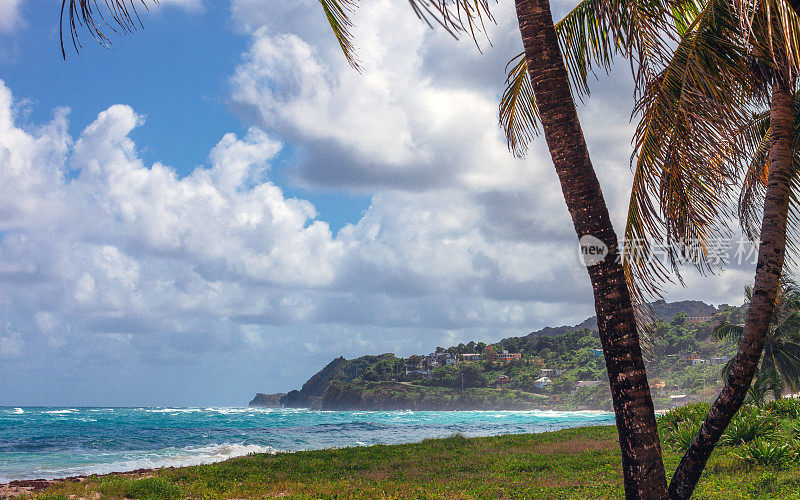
{"x":768,"y":271}
{"x":643,"y":469}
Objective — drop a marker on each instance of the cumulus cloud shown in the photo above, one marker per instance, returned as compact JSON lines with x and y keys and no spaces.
{"x":394,"y":127}
{"x":128,"y":267}
{"x":10,"y":15}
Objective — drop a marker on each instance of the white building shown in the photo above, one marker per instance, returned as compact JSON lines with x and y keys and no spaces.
{"x":441,"y":358}
{"x":542,"y":382}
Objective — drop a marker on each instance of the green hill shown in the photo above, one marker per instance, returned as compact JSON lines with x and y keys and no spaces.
{"x":562,"y":370}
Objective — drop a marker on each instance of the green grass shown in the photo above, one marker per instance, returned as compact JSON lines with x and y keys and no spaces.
{"x":573,"y":463}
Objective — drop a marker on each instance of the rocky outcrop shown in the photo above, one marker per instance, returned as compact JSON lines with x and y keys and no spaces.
{"x":313,"y":390}
{"x":267,"y":400}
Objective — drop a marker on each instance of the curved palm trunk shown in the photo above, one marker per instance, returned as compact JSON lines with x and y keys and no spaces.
{"x":643,"y":469}
{"x":768,"y":270}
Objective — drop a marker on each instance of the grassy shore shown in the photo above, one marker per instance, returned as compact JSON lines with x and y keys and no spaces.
{"x":573,"y":463}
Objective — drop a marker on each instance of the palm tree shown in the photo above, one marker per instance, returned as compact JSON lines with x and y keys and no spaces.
{"x":779,"y":369}
{"x":696,"y":132}
{"x":630,"y":26}
{"x":763,"y":384}
{"x":642,"y":466}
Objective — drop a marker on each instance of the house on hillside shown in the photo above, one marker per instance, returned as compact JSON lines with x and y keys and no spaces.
{"x":693,"y":320}
{"x":597,"y":353}
{"x":547,"y":372}
{"x":588,"y":383}
{"x":470,"y":356}
{"x":699,"y":361}
{"x":717,"y":360}
{"x":657,"y":386}
{"x":678,"y":399}
{"x":421,"y":371}
{"x":508,"y":356}
{"x":542,"y":382}
{"x":502,"y":380}
{"x":441,"y":358}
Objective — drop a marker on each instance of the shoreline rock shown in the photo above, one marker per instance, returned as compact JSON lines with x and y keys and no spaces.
{"x":267,"y":400}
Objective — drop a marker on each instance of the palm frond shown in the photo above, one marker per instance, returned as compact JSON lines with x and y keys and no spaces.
{"x":121,"y":17}
{"x":519,"y":115}
{"x":338,"y":13}
{"x":687,"y":154}
{"x":774,"y":25}
{"x":590,"y":36}
{"x":754,"y":183}
{"x":596,"y":31}
{"x":457,"y":17}
{"x":728,"y":331}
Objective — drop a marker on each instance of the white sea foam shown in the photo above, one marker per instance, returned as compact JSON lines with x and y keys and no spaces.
{"x":230,"y":411}
{"x":173,"y":457}
{"x":61,"y":412}
{"x":173,"y":410}
{"x":18,"y":411}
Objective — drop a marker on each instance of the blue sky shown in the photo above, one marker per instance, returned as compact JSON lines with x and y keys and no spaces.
{"x":227,"y":205}
{"x":174,"y":72}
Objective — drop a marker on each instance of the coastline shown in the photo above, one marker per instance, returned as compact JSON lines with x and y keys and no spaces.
{"x":32,"y":486}
{"x":581,"y":463}
{"x":213,"y":435}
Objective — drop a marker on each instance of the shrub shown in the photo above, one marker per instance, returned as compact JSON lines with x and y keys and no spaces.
{"x":748,"y":424}
{"x":681,"y":436}
{"x":767,"y":454}
{"x":785,"y":408}
{"x":694,"y":413}
{"x":796,"y":429}
{"x":144,"y":489}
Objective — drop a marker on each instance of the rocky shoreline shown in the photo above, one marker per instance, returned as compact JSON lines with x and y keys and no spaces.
{"x":32,"y":486}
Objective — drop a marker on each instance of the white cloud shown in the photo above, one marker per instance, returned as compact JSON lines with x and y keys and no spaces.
{"x":185,"y":4}
{"x":108,"y":262}
{"x":399,"y":125}
{"x":10,"y":16}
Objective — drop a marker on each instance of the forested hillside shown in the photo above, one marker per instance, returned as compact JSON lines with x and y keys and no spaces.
{"x":540,"y":370}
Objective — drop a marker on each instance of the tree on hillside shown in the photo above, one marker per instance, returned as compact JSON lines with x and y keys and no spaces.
{"x":415,"y":361}
{"x":779,"y":369}
{"x":488,"y":354}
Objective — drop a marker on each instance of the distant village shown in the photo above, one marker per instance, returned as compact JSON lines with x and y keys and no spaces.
{"x":561,"y":367}
{"x":425,"y":365}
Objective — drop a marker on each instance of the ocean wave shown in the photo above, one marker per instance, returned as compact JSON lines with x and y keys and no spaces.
{"x":173,"y":410}
{"x":132,"y":438}
{"x":18,"y":411}
{"x":173,"y":457}
{"x":229,"y":411}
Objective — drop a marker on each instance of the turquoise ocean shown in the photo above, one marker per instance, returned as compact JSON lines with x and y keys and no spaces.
{"x":50,"y":443}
